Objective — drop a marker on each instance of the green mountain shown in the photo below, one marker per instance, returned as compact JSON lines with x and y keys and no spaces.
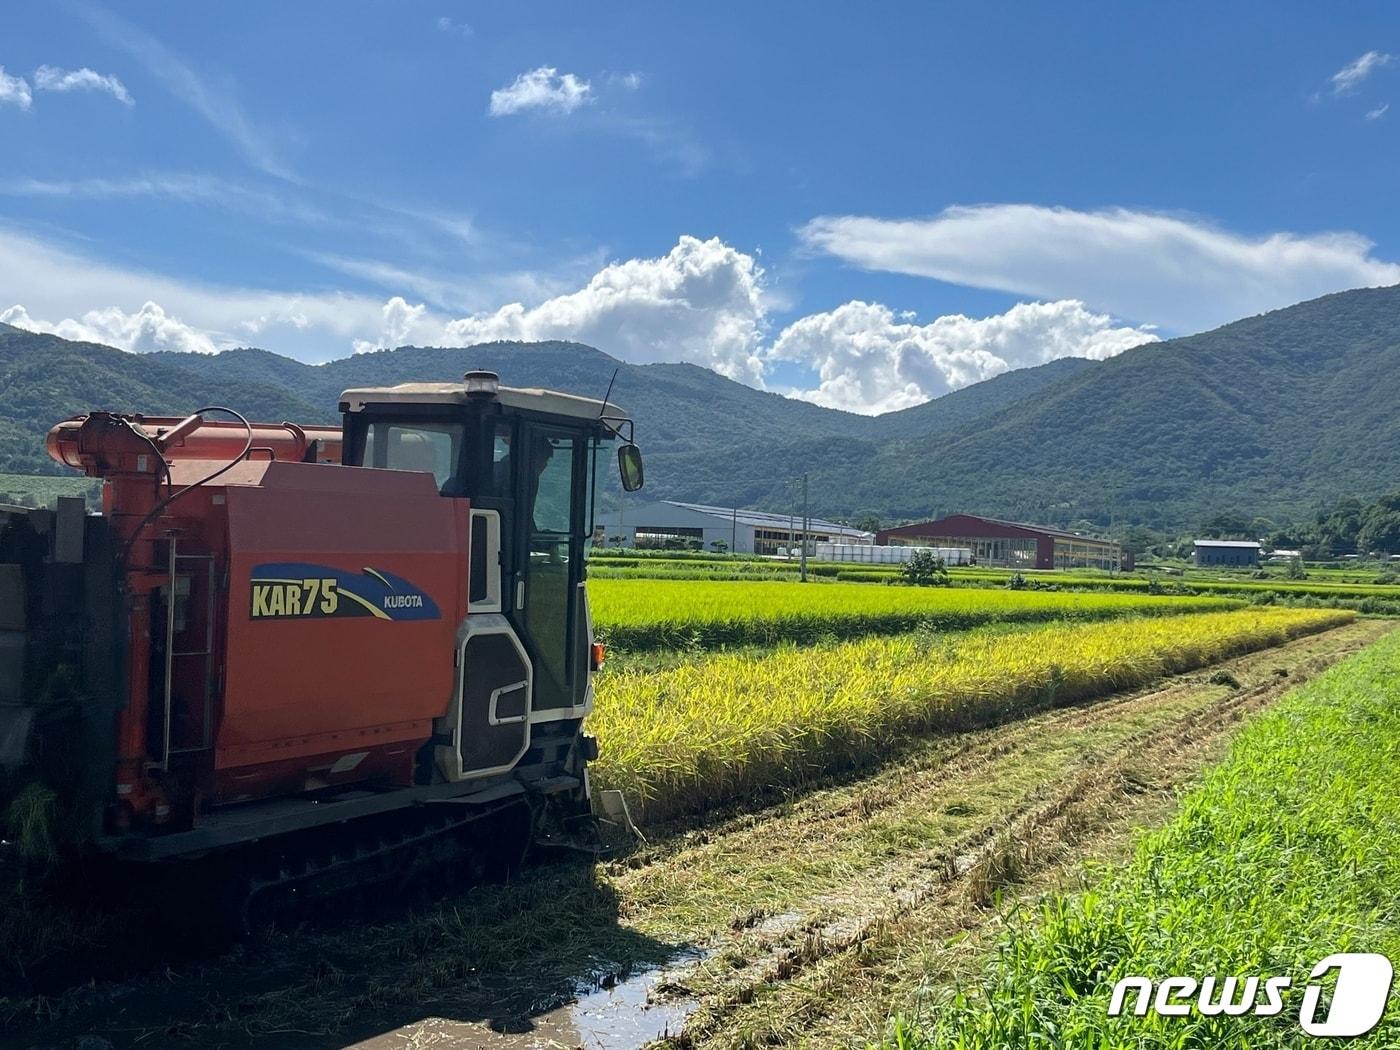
{"x":44,"y":379}
{"x":677,"y":407}
{"x":975,"y":402}
{"x":1273,"y":415}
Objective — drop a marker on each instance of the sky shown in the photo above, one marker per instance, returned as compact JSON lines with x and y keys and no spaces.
{"x":865,"y":207}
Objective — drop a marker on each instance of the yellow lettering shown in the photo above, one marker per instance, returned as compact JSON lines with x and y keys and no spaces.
{"x":276,"y":602}
{"x":308,"y":599}
{"x":330,"y":597}
{"x":260,"y":599}
{"x":293,"y":600}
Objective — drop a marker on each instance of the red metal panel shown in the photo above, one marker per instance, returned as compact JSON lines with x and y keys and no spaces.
{"x":346,"y":645}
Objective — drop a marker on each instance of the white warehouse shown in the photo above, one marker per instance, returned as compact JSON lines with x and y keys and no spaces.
{"x":740,"y":531}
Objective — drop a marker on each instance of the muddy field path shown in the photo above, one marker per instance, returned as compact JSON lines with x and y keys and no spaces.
{"x":801,"y":923}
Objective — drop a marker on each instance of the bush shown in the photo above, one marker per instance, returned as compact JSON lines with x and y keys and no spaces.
{"x":925,"y":569}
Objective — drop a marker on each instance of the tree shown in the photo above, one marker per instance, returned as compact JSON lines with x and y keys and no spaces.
{"x":1225,"y":526}
{"x":925,"y":569}
{"x":1379,"y":528}
{"x":1337,"y":530}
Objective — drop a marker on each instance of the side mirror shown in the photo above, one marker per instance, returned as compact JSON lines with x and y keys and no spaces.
{"x":629,"y":467}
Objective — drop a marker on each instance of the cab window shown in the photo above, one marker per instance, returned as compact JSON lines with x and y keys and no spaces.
{"x":431,"y":448}
{"x":552,"y":468}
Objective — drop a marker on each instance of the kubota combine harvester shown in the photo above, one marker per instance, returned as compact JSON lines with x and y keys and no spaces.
{"x":296,"y":650}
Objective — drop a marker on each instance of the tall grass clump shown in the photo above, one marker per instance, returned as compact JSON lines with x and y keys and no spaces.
{"x":667,"y":614}
{"x":1285,"y":854}
{"x":731,"y":725}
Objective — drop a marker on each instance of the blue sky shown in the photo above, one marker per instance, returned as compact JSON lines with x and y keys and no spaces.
{"x":862,"y":207}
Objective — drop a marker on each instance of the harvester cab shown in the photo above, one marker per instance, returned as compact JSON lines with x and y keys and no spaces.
{"x":529,"y":463}
{"x":274,"y":630}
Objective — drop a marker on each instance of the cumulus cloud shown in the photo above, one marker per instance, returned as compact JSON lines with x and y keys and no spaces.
{"x":1349,"y":77}
{"x":871,"y":361}
{"x":14,"y":91}
{"x":706,"y":302}
{"x":399,"y":320}
{"x":147,"y":329}
{"x":51,"y":78}
{"x":55,"y":282}
{"x":1178,"y":272}
{"x":701,"y":302}
{"x":544,"y":89}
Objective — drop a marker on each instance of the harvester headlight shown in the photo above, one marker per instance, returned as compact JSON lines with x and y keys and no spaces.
{"x":482,"y":384}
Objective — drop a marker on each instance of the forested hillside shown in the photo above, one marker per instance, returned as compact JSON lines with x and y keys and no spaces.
{"x":1273,"y":415}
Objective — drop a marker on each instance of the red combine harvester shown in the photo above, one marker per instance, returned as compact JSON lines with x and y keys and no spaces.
{"x":299,"y":649}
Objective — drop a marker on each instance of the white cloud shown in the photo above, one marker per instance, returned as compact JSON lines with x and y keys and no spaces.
{"x":56,"y":283}
{"x":400,"y":319}
{"x":447,"y":25}
{"x":545,"y":89}
{"x":218,"y":106}
{"x":870,"y":361}
{"x":189,"y":188}
{"x":702,"y":302}
{"x":51,"y":78}
{"x":14,"y":91}
{"x":1378,"y":112}
{"x":147,"y":329}
{"x":707,"y":303}
{"x":1178,"y":272}
{"x":1349,"y":77}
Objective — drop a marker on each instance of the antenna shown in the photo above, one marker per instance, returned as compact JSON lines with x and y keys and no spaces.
{"x":611,"y":381}
{"x":614,"y":424}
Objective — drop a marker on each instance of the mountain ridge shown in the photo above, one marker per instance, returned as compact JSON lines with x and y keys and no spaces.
{"x":1270,"y":415}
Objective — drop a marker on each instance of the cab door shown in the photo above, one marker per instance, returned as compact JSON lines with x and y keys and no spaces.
{"x":551,"y":500}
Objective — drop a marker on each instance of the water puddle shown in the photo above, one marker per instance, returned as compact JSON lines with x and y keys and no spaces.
{"x":622,"y":1016}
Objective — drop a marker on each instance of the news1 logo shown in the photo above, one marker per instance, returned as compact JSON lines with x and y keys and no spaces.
{"x":1358,"y":998}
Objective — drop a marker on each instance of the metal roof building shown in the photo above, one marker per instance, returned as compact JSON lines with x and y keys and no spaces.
{"x":1011,"y":544}
{"x":741,"y":531}
{"x":1226,"y":552}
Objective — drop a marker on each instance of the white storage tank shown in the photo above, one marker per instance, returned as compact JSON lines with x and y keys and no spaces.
{"x":872,"y":554}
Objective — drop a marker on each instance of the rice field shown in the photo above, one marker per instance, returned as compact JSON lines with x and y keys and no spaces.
{"x":1284,"y":855}
{"x":704,"y":732}
{"x":640,"y":615}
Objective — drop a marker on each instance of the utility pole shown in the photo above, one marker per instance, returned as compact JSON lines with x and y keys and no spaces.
{"x":734,"y":533}
{"x":806,"y":528}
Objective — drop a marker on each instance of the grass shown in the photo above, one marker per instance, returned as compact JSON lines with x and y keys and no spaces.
{"x":666,"y":614}
{"x":686,"y":738}
{"x":1284,"y":855}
